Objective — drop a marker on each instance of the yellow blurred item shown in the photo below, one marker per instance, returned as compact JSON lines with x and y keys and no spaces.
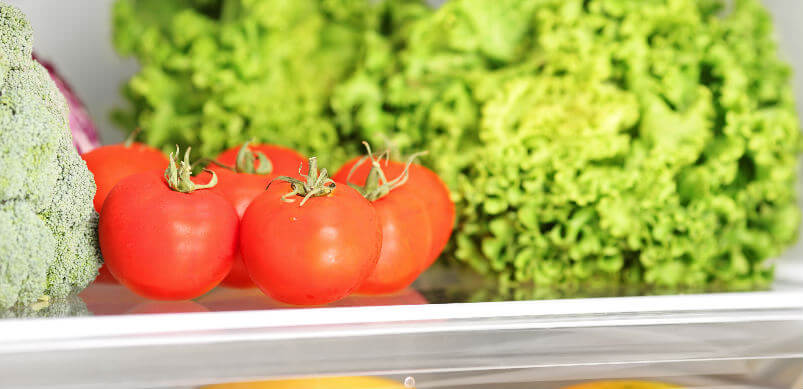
{"x":316,"y":383}
{"x":623,"y":385}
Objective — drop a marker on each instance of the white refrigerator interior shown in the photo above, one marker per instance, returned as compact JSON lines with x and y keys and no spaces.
{"x":718,"y":340}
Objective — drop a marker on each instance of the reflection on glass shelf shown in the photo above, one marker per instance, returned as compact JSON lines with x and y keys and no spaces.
{"x":71,"y":306}
{"x":437,"y":286}
{"x":445,"y":285}
{"x":106,"y":299}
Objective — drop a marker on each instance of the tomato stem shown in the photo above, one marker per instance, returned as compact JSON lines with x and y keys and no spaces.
{"x":377,"y":184}
{"x":246,"y":161}
{"x":179,"y":176}
{"x":132,"y":137}
{"x":316,"y":184}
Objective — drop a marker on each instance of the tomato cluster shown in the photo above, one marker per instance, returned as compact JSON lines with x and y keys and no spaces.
{"x":269,"y":218}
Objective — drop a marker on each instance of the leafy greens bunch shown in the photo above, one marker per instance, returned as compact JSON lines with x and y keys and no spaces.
{"x":217,"y":73}
{"x":584,"y":141}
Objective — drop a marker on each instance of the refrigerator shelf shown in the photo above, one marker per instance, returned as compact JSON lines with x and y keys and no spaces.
{"x":725,"y":332}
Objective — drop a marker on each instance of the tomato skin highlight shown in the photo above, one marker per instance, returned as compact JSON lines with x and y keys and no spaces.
{"x":312,"y":254}
{"x":422,"y":183}
{"x":241,"y":188}
{"x":166,"y":245}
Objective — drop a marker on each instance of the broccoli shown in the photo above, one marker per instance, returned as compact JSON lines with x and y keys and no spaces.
{"x":48,"y":235}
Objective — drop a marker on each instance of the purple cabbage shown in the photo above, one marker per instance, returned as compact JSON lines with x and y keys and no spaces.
{"x":84,"y":134}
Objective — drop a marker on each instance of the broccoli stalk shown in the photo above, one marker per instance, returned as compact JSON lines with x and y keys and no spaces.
{"x":48,"y":235}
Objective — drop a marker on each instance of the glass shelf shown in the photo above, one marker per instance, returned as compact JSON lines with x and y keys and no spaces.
{"x":230,"y":335}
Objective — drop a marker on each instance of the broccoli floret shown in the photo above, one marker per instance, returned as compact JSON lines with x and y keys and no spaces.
{"x":47,"y":222}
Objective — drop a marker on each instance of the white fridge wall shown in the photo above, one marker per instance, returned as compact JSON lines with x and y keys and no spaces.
{"x":75,"y":36}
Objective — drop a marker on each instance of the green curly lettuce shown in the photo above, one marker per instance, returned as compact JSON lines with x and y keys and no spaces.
{"x":651,"y":142}
{"x":217,"y":73}
{"x":585,"y":142}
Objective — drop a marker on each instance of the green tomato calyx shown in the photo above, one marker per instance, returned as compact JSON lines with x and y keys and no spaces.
{"x":246,"y":161}
{"x":179,"y":176}
{"x":377,"y":184}
{"x":317,"y":183}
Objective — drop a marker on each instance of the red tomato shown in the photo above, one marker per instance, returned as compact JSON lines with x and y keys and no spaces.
{"x":241,"y":188}
{"x":284,"y":161}
{"x":423,"y":184}
{"x":406,"y":242}
{"x":406,"y":238}
{"x":109,"y":164}
{"x":163,"y":244}
{"x":238,"y":276}
{"x":310,"y":252}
